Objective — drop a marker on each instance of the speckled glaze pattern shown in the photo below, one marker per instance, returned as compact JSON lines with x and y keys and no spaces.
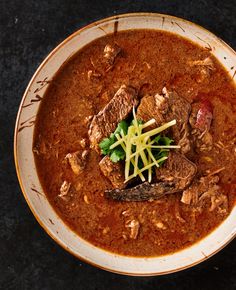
{"x":30,"y":259}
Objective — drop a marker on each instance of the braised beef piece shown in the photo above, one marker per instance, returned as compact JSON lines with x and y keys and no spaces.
{"x":164,"y":108}
{"x":179,"y":109}
{"x":64,"y":190}
{"x":142,"y":192}
{"x":153,"y":107}
{"x":106,"y":121}
{"x":177,"y":169}
{"x":200,"y":122}
{"x":205,"y":69}
{"x":77,"y":161}
{"x":175,"y":175}
{"x":192,"y":194}
{"x":113,"y":171}
{"x":203,"y":189}
{"x":110,"y":53}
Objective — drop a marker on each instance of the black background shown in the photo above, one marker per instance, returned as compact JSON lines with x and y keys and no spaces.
{"x":29,"y":259}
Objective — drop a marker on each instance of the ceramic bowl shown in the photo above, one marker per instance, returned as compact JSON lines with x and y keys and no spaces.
{"x":25,"y":164}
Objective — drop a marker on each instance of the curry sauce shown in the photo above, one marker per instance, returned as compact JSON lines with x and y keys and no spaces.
{"x":147,"y":61}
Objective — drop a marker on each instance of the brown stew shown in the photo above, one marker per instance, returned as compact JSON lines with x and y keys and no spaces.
{"x":102,"y":83}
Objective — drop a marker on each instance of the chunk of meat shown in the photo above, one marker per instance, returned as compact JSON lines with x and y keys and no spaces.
{"x":203,"y":189}
{"x":134,"y":226}
{"x":110,"y":53}
{"x":113,"y":171}
{"x":65,"y":187}
{"x":204,"y":69}
{"x":77,"y":161}
{"x":106,"y":121}
{"x":192,"y":194}
{"x":200,"y":121}
{"x":179,"y":109}
{"x":142,"y":192}
{"x":185,"y":141}
{"x":177,"y":169}
{"x":217,"y":199}
{"x":152,"y":107}
{"x":83,"y":143}
{"x":164,"y":108}
{"x":206,"y":62}
{"x":204,"y":142}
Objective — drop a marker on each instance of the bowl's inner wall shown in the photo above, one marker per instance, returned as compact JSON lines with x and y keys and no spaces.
{"x":25,"y":161}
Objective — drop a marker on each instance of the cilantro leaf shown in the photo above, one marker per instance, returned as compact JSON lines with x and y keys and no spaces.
{"x":106,"y":143}
{"x":157,"y":139}
{"x":159,"y":154}
{"x":163,"y":140}
{"x":117,"y":154}
{"x":122,"y":127}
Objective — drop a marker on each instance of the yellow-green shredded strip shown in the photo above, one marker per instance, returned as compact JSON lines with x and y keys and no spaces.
{"x":154,"y":131}
{"x":131,"y":160}
{"x":146,"y":167}
{"x":143,"y":147}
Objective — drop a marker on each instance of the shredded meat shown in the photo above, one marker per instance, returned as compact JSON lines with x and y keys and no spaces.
{"x":110,"y":53}
{"x":134,"y":226}
{"x":205,"y":69}
{"x":65,"y":187}
{"x":207,"y":62}
{"x":77,"y":161}
{"x":93,"y":75}
{"x":206,"y":188}
{"x":204,"y":142}
{"x":218,"y":200}
{"x":190,"y":195}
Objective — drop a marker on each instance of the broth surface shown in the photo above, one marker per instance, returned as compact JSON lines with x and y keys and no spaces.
{"x":149,"y":61}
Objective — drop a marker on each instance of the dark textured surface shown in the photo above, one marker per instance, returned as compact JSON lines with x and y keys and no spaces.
{"x":29,"y":259}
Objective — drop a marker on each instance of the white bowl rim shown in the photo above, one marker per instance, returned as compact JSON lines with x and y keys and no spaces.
{"x":46,"y":59}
